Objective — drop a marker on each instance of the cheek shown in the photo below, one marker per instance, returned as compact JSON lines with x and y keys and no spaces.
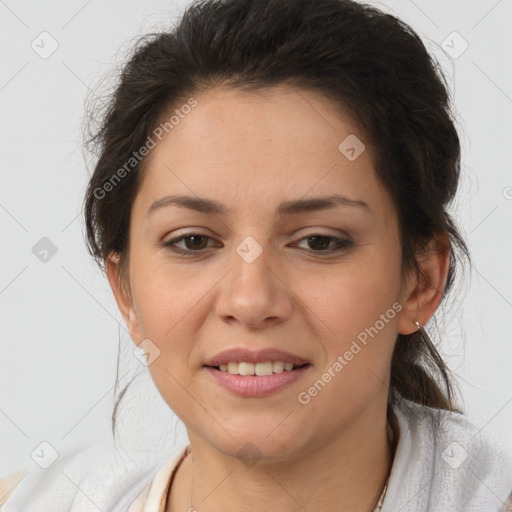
{"x":171,"y":307}
{"x":351,"y":296}
{"x":167,"y":296}
{"x":360,"y":308}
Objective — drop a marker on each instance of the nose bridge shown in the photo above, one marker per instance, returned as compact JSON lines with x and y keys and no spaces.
{"x":251,"y":274}
{"x":253,"y":292}
{"x":252,"y":263}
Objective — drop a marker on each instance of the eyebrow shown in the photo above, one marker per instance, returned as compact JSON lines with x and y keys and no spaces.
{"x":292,"y":207}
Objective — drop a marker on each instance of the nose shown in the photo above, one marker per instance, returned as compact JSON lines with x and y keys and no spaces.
{"x":254,"y":293}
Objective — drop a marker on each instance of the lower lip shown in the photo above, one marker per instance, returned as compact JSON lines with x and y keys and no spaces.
{"x":252,"y":386}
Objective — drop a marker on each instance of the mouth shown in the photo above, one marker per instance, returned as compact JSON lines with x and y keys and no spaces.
{"x":248,"y":384}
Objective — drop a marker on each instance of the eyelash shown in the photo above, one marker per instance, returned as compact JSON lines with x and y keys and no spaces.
{"x":341,"y":245}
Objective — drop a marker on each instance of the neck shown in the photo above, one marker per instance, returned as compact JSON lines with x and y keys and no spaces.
{"x":347,"y":473}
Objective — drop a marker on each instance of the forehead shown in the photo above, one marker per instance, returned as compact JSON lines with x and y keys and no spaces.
{"x":253,"y":150}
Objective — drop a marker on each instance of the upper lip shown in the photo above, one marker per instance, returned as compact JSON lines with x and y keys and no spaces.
{"x":241,"y":354}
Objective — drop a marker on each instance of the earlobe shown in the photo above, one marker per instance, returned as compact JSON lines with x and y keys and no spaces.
{"x":424,"y":290}
{"x":122,"y":297}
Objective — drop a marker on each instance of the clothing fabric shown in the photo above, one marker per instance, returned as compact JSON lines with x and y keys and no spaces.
{"x":454,"y":469}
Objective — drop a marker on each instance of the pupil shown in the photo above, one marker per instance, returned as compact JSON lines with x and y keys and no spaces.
{"x":194,"y":237}
{"x":316,"y":237}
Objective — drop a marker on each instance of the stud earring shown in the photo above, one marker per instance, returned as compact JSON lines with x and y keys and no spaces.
{"x":420,"y":328}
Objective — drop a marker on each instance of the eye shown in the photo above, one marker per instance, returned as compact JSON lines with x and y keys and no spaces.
{"x":196,"y":243}
{"x":323,"y":241}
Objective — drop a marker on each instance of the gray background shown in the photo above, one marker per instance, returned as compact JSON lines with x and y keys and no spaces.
{"x":60,"y":325}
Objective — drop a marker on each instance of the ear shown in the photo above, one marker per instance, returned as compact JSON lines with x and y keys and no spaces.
{"x":123,"y":296}
{"x":423,"y":291}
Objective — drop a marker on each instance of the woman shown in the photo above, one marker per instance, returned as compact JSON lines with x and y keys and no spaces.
{"x":270,"y":207}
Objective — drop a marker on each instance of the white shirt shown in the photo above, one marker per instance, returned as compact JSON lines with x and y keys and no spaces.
{"x":459,"y":470}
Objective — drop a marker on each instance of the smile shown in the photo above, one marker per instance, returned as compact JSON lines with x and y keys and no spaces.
{"x":250,"y":385}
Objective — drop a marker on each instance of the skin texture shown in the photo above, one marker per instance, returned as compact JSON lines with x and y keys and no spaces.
{"x":251,"y":152}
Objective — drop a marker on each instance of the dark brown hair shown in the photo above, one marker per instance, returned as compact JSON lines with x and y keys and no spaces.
{"x":368,"y":62}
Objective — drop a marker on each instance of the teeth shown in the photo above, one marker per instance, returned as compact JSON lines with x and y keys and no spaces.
{"x":260,"y":369}
{"x":246,"y":368}
{"x":278,"y":366}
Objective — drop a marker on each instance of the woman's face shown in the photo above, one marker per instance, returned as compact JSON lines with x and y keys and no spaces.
{"x":254,"y":279}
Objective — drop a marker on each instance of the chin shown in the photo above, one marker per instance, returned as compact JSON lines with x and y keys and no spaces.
{"x":258,"y":446}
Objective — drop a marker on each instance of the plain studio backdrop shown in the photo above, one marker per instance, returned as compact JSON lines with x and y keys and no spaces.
{"x":60,"y":325}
